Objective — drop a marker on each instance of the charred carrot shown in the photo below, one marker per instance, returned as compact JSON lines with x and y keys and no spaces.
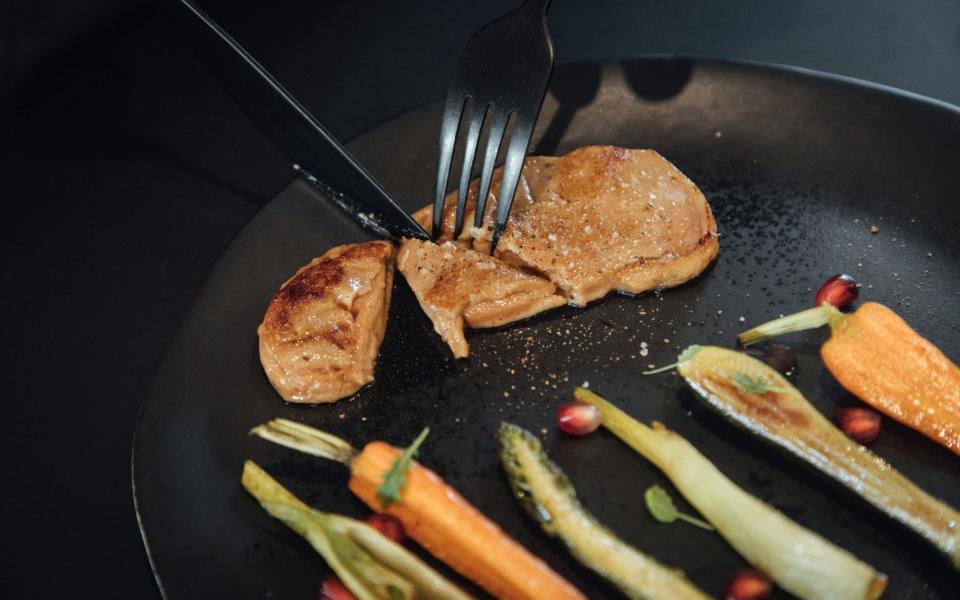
{"x":434,"y":514}
{"x":879,"y":358}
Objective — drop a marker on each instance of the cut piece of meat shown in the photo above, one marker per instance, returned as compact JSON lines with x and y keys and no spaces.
{"x":457,"y":286}
{"x":320,"y":336}
{"x":598,"y":219}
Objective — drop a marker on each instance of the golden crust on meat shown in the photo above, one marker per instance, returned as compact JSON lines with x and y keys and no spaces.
{"x":457,"y":286}
{"x":322,"y":330}
{"x":598,"y":219}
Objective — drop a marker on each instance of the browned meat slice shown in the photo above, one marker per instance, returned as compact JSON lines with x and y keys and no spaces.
{"x":322,"y":331}
{"x":457,"y":286}
{"x":598,"y":219}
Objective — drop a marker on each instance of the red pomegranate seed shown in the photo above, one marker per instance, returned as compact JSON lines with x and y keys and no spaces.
{"x":748,"y":585}
{"x":861,"y":425}
{"x":839,"y":290}
{"x":332,"y":589}
{"x":781,"y":358}
{"x":389,"y":526}
{"x":578,"y":418}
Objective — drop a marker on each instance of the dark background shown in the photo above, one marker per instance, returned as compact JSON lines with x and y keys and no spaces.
{"x":126,"y":171}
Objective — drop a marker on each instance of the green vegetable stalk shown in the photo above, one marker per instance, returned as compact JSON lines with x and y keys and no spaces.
{"x":370,"y":565}
{"x":757,"y":398}
{"x":797,"y":559}
{"x":547,"y":495}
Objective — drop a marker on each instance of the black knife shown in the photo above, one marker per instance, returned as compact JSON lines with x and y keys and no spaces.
{"x":280,"y":117}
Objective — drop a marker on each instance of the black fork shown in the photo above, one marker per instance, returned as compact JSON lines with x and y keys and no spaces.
{"x":503,"y":72}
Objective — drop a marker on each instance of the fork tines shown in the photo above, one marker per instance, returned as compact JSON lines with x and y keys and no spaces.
{"x":499,"y":85}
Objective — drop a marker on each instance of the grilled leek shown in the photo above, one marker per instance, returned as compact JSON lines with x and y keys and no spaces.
{"x":797,"y":559}
{"x":759,"y":399}
{"x":369,"y":564}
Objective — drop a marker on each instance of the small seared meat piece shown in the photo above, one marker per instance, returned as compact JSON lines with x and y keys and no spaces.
{"x":457,"y":286}
{"x":322,"y":331}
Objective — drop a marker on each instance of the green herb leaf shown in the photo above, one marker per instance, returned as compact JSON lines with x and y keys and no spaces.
{"x":660,"y":504}
{"x":754,"y":385}
{"x":689,"y":353}
{"x":395,"y":479}
{"x":684,"y":357}
{"x":662,"y":508}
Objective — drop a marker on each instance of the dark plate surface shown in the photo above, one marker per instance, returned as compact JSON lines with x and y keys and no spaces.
{"x":796,"y":166}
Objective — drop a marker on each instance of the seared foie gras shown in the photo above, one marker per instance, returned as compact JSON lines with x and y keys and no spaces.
{"x":457,"y":286}
{"x":320,"y":336}
{"x":598,"y":219}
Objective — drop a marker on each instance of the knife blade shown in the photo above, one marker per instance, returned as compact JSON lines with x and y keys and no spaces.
{"x":315,"y":153}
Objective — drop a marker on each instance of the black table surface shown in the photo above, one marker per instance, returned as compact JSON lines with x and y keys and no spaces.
{"x":126,"y":171}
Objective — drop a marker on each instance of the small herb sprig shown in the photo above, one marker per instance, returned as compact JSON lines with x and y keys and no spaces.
{"x":395,"y":480}
{"x":684,"y":357}
{"x":754,"y":385}
{"x":662,"y":508}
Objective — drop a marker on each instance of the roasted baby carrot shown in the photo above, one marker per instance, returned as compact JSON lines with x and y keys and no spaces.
{"x":879,"y":358}
{"x":434,"y":514}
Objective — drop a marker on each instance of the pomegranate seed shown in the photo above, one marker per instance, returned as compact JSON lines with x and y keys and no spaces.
{"x":861,"y":425}
{"x":781,"y":358}
{"x":578,"y":418}
{"x":839,"y":290}
{"x":748,"y":585}
{"x":332,"y":589}
{"x":389,"y":526}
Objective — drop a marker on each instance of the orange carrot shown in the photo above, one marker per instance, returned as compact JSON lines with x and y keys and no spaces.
{"x":453,"y":530}
{"x":435,"y":515}
{"x":879,"y":358}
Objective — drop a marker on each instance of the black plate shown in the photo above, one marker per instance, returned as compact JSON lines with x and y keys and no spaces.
{"x":797,"y":166}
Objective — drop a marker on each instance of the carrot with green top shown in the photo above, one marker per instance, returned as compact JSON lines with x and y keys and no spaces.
{"x":434,"y":514}
{"x":879,"y":358}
